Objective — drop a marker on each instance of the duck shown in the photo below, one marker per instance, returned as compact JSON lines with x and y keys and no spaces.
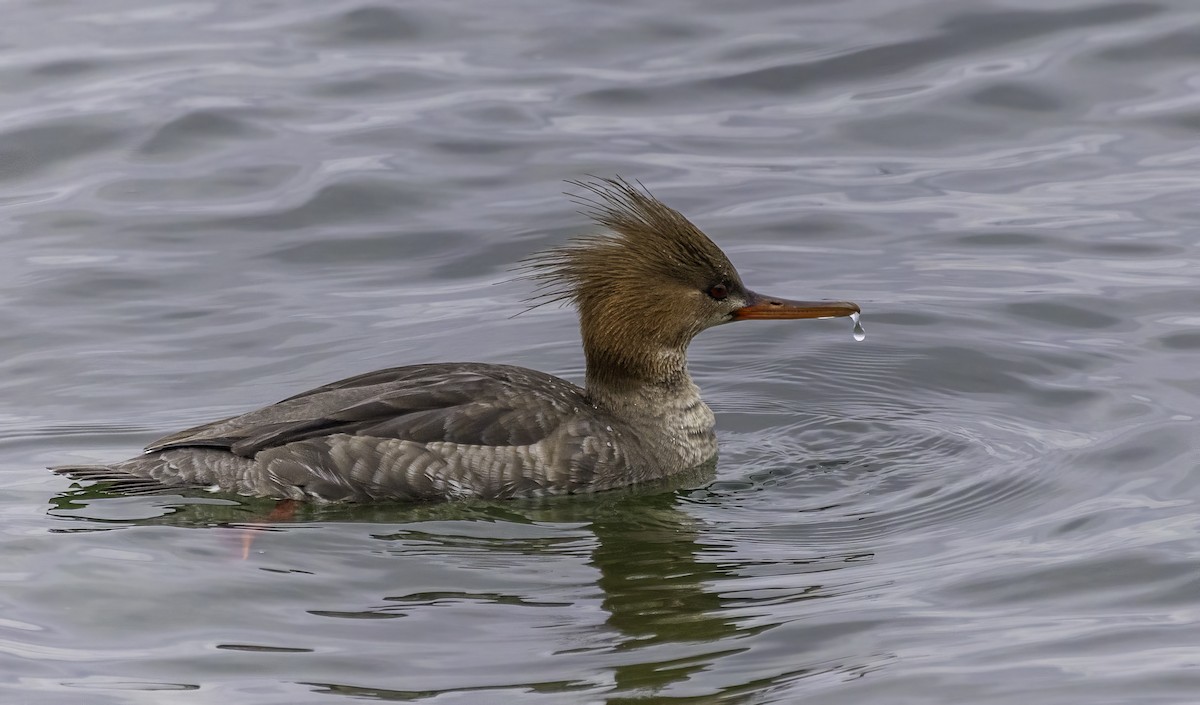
{"x":644,"y":284}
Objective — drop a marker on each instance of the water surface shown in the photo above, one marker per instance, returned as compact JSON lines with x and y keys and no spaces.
{"x":210,"y":206}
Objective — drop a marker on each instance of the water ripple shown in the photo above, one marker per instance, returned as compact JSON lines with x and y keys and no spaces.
{"x":209,"y":206}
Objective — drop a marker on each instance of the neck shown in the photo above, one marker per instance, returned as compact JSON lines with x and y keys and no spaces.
{"x":620,"y":380}
{"x":661,"y":402}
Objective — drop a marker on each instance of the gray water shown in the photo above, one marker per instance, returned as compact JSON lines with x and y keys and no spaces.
{"x":209,"y":206}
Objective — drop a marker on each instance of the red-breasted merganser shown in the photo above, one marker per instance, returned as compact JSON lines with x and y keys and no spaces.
{"x":643,"y":288}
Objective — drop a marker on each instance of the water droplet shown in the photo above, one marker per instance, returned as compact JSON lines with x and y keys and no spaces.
{"x":859,"y":334}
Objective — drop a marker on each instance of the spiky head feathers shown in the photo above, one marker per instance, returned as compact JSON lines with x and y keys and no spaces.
{"x":644,"y":283}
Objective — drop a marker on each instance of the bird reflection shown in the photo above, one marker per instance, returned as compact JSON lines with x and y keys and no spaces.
{"x":659,"y":592}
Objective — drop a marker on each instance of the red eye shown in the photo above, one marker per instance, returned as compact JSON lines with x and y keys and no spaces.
{"x":718,"y":291}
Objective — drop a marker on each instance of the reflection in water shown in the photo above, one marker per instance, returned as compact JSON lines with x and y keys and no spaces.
{"x":658,"y":581}
{"x":655,"y":589}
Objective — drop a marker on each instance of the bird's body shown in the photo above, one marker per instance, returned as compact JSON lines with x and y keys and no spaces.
{"x":455,"y":430}
{"x":421,"y":432}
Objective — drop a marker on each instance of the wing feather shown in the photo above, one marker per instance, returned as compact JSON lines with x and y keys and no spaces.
{"x":463,"y":403}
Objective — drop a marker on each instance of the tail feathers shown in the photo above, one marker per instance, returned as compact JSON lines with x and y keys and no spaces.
{"x":113,"y":479}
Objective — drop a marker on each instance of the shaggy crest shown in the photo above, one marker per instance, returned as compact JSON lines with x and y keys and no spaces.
{"x":644,"y":240}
